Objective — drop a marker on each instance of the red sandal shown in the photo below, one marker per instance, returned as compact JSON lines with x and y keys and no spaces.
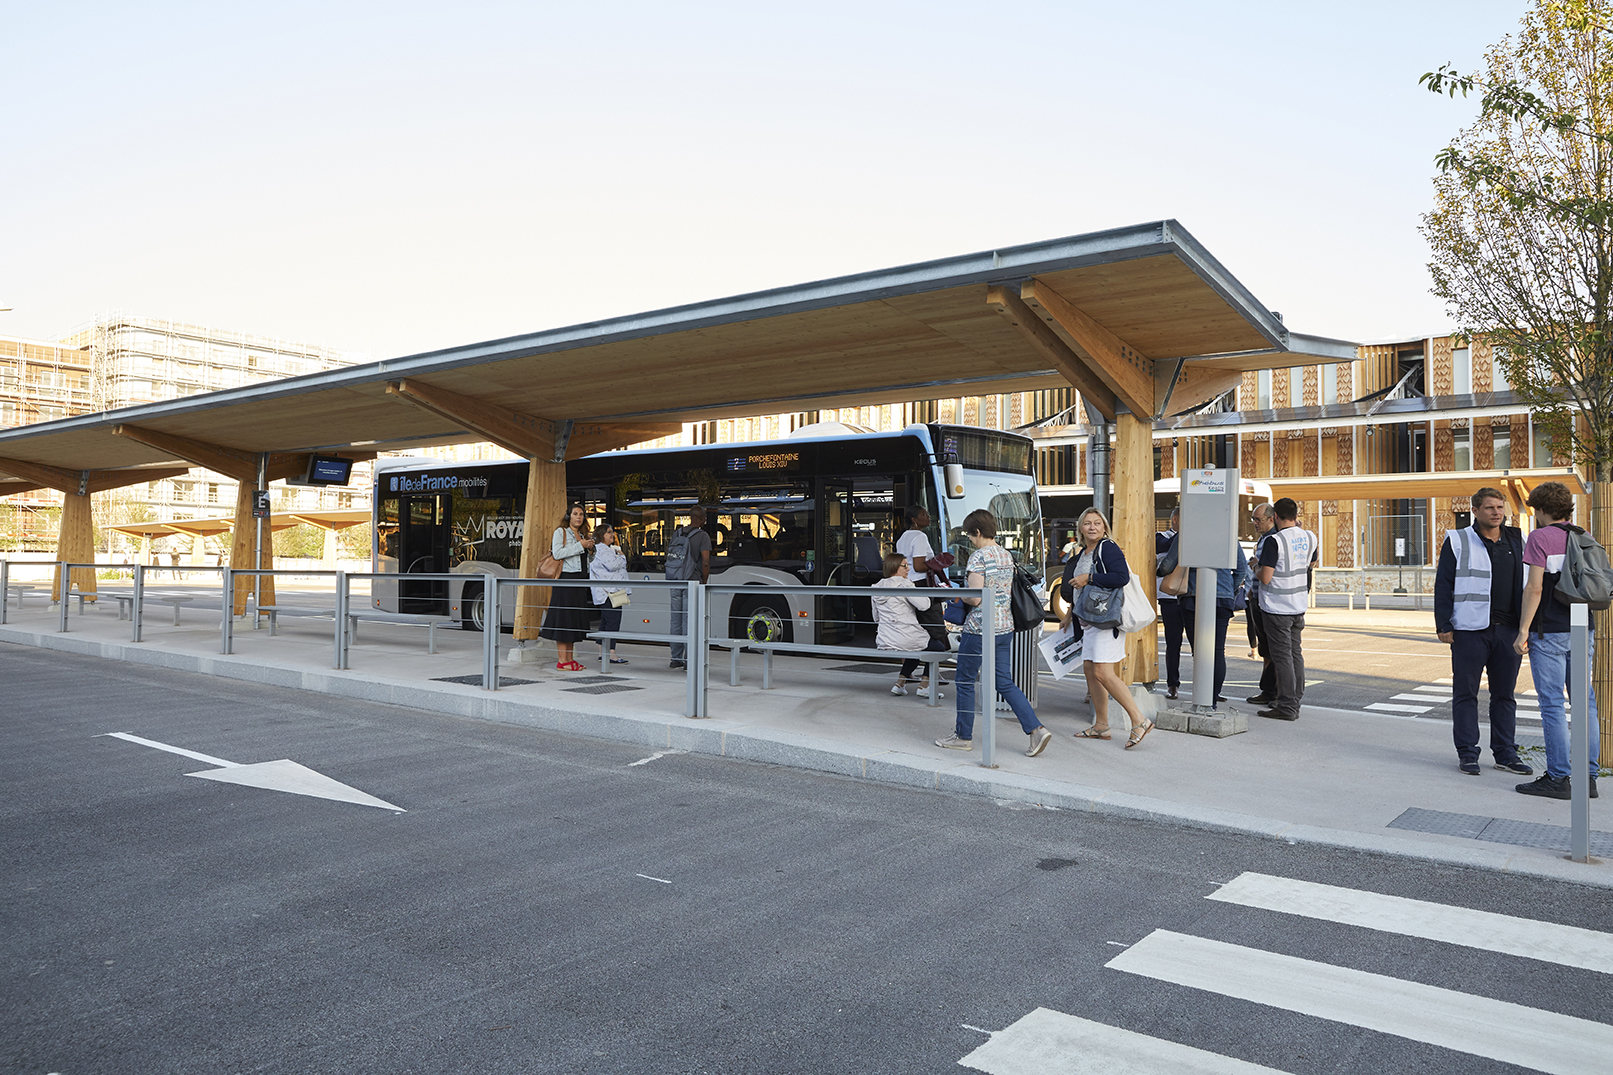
{"x":570,"y":666}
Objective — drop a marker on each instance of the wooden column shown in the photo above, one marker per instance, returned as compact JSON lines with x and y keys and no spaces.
{"x":242,"y":549}
{"x":1133,"y":475}
{"x":75,"y":544}
{"x":545,"y":503}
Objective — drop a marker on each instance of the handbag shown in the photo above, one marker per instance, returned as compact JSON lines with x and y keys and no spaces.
{"x":549,"y":567}
{"x":619,"y":598}
{"x":1024,"y":603}
{"x":955,"y":612}
{"x":1098,"y":606}
{"x":1175,"y":584}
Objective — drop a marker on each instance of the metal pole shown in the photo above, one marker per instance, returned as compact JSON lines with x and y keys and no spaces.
{"x":1579,"y":739}
{"x":5,"y":592}
{"x":691,"y":602}
{"x":257,"y":580}
{"x":986,"y":689}
{"x":341,"y":617}
{"x":136,"y":623}
{"x":66,"y":584}
{"x":1098,"y":451}
{"x":1204,"y":639}
{"x":492,"y":622}
{"x":227,"y":612}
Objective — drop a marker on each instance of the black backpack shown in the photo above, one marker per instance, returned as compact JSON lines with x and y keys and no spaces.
{"x":1587,"y":577}
{"x":677,"y":556}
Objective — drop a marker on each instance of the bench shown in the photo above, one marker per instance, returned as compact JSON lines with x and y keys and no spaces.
{"x":626,"y":636}
{"x":273,"y":612}
{"x":175,"y":599}
{"x":21,"y":589}
{"x":430,"y":623}
{"x":932,"y":658}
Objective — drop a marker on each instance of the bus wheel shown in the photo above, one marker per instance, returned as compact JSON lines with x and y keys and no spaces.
{"x":761,"y":620}
{"x":471,"y":603}
{"x":1055,"y":602}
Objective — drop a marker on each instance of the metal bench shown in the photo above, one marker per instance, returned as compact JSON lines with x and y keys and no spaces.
{"x":430,"y":623}
{"x":20,"y":589}
{"x":273,"y":613}
{"x":626,"y":636}
{"x":126,"y":603}
{"x":932,"y":658}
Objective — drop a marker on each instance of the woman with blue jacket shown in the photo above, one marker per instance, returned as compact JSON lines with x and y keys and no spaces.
{"x":1231,"y":585}
{"x":1099,"y":562}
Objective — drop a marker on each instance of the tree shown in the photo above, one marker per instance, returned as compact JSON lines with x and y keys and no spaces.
{"x":1522,"y":225}
{"x":1522,"y":237}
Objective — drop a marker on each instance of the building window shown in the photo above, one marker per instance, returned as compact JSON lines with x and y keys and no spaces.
{"x":1498,"y":374}
{"x":1263,"y":390}
{"x":1330,"y":383}
{"x":1542,"y":448}
{"x":1503,"y":447}
{"x":1462,"y":457}
{"x":1462,"y":371}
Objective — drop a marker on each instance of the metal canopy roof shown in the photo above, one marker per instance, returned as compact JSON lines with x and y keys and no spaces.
{"x":916,"y":332}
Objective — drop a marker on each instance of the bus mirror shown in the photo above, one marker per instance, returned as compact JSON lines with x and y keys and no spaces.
{"x":952,"y":474}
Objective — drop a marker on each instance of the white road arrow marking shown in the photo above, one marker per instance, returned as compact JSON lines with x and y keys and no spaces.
{"x":283,"y":775}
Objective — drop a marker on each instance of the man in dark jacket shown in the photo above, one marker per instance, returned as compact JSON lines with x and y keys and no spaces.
{"x":1478,"y":597}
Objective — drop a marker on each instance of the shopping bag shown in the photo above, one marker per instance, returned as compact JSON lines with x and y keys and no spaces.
{"x":1062,"y":650}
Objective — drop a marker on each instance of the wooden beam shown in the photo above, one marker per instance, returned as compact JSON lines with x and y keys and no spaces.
{"x":58,"y":478}
{"x":1121,"y":367}
{"x":1194,"y":388}
{"x":236,"y":463}
{"x":1071,"y":366}
{"x":1132,"y":469}
{"x":102,"y":480}
{"x":524,"y":434}
{"x":38,"y":475}
{"x":588,"y":438}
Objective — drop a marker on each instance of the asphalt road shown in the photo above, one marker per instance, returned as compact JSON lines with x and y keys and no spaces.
{"x":567,"y":905}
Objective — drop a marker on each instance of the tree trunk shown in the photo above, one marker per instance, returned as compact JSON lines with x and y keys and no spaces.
{"x":1602,"y":666}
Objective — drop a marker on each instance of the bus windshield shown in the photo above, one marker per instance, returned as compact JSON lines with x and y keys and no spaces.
{"x":1012,"y":499}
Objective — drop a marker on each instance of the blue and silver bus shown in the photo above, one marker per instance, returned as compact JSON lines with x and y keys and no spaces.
{"x":819,"y":508}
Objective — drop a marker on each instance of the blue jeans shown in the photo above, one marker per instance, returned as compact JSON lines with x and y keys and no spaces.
{"x":1552,"y":669}
{"x":969,"y":673}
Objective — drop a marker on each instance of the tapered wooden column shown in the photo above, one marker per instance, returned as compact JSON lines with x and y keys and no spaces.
{"x":545,"y":503}
{"x":243,"y":546}
{"x":75,"y":545}
{"x":1132,"y":464}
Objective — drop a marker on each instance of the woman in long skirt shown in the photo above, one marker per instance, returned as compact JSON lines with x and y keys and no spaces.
{"x":570,"y":607}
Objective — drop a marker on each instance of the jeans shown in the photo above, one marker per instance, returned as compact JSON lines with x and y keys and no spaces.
{"x":1489,"y":651}
{"x":680,"y":621}
{"x":969,"y":661}
{"x":1223,"y":617}
{"x":1282,"y":635}
{"x":1170,"y":614}
{"x":1552,"y":668}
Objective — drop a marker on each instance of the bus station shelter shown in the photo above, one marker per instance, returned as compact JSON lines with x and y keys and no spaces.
{"x":1142,"y":321}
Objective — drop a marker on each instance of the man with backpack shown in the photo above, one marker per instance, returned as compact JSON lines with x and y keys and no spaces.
{"x":1478,"y":598}
{"x":1544,"y":637}
{"x":688,"y":556}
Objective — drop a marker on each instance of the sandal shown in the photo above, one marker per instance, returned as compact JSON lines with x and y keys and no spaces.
{"x":1138,"y":733}
{"x":1093,"y":732}
{"x":570,"y":666}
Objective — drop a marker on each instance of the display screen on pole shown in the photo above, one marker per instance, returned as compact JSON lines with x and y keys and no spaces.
{"x":329,"y":470}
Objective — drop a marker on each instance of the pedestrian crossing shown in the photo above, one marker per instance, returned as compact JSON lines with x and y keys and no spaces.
{"x":1428,"y":697}
{"x":1055,"y":1043}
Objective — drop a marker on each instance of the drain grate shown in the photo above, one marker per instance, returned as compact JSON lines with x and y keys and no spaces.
{"x":603,"y":688}
{"x":595,"y":679}
{"x":476,"y":680}
{"x":1497,"y":830}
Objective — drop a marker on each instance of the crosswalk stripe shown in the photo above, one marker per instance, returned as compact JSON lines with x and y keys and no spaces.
{"x":1415,"y":698}
{"x":1434,"y":690}
{"x":1047,"y":1042}
{"x":1389,"y":707}
{"x":1511,"y":1033}
{"x":1569,"y":946}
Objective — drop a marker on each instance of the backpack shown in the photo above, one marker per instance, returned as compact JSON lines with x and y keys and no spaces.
{"x":678,"y":560}
{"x":1587,"y":577}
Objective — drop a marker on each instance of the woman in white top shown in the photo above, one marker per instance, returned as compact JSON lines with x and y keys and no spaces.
{"x":609,"y":565}
{"x":899,"y":626}
{"x":569,"y":607}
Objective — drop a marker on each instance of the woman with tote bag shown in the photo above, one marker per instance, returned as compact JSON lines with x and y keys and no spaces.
{"x":609,"y":565}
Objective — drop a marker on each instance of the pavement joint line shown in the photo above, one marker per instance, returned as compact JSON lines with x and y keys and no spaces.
{"x":956,"y":776}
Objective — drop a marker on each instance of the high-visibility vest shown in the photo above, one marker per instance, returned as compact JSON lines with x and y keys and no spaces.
{"x":1472,"y":609}
{"x":1285,"y":594}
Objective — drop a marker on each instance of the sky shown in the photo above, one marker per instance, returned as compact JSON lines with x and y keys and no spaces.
{"x":398,"y":177}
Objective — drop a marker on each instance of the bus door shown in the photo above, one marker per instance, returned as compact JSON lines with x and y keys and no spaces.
{"x":425,"y":535}
{"x":834,"y":562}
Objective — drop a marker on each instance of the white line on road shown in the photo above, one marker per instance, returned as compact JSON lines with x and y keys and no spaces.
{"x":1047,"y":1042}
{"x":1446,"y":691}
{"x":1570,"y":946}
{"x":647,"y":877}
{"x":1511,"y":1033}
{"x":220,"y":762}
{"x":1386,"y":707}
{"x":1415,"y":698}
{"x":652,"y":757}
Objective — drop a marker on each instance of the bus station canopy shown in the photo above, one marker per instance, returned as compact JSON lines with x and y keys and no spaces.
{"x":1143,"y":320}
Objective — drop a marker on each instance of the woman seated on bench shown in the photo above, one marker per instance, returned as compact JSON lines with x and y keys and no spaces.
{"x":899,"y":627}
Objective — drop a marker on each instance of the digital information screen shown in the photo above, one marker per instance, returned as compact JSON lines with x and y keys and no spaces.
{"x":329,"y":470}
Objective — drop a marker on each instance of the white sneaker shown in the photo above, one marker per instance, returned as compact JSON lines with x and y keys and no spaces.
{"x":924,"y":692}
{"x":1039,"y":740}
{"x":899,"y":690}
{"x":952,"y":742}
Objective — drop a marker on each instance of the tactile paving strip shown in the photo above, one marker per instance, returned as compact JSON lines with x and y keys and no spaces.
{"x":1497,"y":830}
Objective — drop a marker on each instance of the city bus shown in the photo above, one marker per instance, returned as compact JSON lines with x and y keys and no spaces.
{"x":818,"y":508}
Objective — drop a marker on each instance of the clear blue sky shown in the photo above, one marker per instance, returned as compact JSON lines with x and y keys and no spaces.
{"x":396,"y":177}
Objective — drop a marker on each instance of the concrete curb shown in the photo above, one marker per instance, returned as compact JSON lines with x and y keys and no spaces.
{"x":731,"y":739}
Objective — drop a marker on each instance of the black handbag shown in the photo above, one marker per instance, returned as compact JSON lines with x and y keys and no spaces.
{"x":1023,"y":602}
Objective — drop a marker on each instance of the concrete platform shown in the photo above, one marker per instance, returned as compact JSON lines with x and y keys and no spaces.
{"x":1334,"y":777}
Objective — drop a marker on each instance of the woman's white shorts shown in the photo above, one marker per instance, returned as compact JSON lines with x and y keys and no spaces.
{"x":1100,"y":646}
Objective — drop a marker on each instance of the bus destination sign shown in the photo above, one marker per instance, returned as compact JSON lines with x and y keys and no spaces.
{"x":763,"y":461}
